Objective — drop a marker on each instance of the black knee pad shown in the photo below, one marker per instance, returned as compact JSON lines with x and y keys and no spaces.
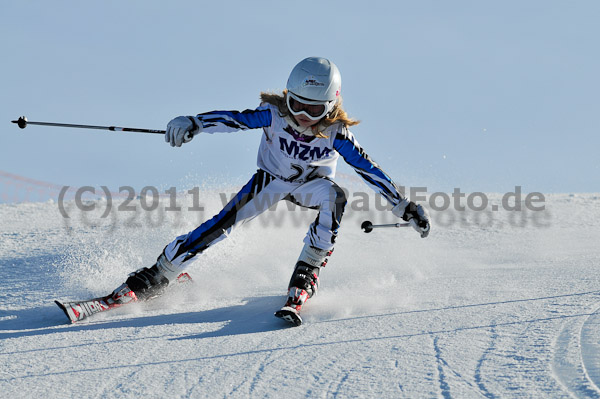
{"x":340,"y":201}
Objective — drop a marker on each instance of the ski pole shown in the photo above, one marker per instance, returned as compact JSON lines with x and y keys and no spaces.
{"x":22,"y":122}
{"x":368,"y":227}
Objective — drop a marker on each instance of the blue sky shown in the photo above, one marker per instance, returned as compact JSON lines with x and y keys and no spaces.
{"x":479,"y":95}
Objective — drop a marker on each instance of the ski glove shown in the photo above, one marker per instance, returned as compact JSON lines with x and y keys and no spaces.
{"x":414,"y":214}
{"x":181,"y":130}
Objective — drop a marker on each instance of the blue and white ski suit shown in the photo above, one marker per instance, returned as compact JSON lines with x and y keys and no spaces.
{"x":292,"y":166}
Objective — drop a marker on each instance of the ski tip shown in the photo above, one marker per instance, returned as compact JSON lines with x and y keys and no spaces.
{"x":290,"y":316}
{"x":64,"y":309}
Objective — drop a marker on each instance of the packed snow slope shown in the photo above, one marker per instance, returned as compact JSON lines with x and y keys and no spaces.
{"x":499,"y":304}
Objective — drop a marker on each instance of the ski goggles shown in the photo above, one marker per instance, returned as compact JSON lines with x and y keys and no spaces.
{"x":314,"y":110}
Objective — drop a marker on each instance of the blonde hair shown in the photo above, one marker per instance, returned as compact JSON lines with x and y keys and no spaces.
{"x":337,"y":114}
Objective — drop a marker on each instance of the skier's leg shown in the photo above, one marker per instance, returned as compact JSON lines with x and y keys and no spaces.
{"x":330,"y":200}
{"x":253,"y":199}
{"x":262,"y":191}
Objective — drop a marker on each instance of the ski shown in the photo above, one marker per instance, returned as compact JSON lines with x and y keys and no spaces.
{"x":80,"y":310}
{"x":290,"y":315}
{"x":77,"y":311}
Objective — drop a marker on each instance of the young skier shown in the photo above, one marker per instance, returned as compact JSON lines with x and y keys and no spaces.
{"x":305,"y":130}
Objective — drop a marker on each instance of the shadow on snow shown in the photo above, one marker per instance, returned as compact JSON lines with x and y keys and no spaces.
{"x":254,"y":315}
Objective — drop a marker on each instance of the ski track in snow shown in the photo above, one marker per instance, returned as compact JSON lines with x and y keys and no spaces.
{"x":590,"y":349}
{"x":493,"y":337}
{"x":471,"y":312}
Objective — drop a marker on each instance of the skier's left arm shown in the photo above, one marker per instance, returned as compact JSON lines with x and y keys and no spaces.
{"x":346,"y":145}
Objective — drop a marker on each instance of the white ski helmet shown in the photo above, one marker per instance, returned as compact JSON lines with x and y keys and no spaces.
{"x":314,"y":81}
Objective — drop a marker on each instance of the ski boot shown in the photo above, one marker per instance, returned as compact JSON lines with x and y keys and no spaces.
{"x":150,"y":282}
{"x":304,"y":283}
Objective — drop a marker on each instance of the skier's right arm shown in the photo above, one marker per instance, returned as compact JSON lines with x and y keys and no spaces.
{"x":183,"y":128}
